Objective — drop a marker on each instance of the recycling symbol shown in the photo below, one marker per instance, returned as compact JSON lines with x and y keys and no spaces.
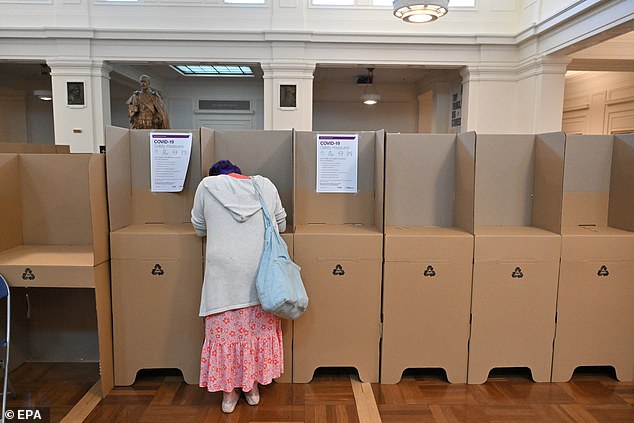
{"x":603,"y":271}
{"x":338,"y":270}
{"x":429,"y":271}
{"x":517,"y":273}
{"x":158,"y":270}
{"x":28,"y":274}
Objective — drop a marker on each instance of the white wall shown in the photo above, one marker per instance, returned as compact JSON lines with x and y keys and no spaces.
{"x":599,"y":102}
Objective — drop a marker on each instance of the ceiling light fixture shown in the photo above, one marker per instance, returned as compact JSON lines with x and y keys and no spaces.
{"x":420,"y":11}
{"x":369,"y":96}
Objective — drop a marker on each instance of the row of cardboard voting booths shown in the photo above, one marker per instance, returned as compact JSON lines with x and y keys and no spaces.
{"x":462,"y":252}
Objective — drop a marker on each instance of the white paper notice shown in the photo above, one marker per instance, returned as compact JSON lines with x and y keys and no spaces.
{"x":337,"y":161}
{"x":169,"y":159}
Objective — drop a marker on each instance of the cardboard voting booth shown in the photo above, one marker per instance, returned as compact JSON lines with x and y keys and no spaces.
{"x":595,"y":309}
{"x":266,"y":153}
{"x":54,"y":248}
{"x":156,"y":255}
{"x":518,"y":191}
{"x":338,"y":244}
{"x":428,"y":254}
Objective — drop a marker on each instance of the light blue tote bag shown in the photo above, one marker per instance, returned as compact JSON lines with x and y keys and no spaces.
{"x":279,"y":283}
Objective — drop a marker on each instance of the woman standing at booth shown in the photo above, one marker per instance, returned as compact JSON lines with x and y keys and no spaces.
{"x":243,"y":343}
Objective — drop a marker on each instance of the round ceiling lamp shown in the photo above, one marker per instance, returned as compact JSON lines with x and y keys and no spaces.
{"x":420,"y":11}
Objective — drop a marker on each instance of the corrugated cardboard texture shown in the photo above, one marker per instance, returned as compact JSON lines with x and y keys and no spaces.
{"x":465,"y":182}
{"x":157,"y":312}
{"x":548,"y":181}
{"x":426,"y":301}
{"x":419,"y":181}
{"x":266,"y":153}
{"x":504,"y":180}
{"x":11,"y":210}
{"x":342,"y":275}
{"x":587,"y":169}
{"x":516,"y":244}
{"x":336,"y":208}
{"x":621,"y":211}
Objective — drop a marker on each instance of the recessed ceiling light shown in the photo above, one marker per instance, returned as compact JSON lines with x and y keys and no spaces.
{"x":224,"y":70}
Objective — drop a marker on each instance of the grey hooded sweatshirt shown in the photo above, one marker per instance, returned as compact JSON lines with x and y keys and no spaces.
{"x":228,"y":212}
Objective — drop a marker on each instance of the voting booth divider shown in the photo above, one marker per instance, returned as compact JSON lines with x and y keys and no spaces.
{"x":517,"y":208}
{"x":338,"y":243}
{"x":156,"y":261}
{"x":595,"y":310}
{"x":266,"y":153}
{"x":54,"y":254}
{"x":428,"y":254}
{"x":463,"y":252}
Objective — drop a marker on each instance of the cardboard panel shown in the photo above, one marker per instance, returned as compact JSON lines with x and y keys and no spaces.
{"x":516,"y":244}
{"x":18,"y":147}
{"x":287,"y":329}
{"x":419,"y":184}
{"x":425,"y":243}
{"x":334,"y":208}
{"x":621,"y":210}
{"x":379,"y":180}
{"x":156,"y":242}
{"x":49,"y":266}
{"x":160,"y":207}
{"x":589,"y":243}
{"x":504,"y":180}
{"x":11,"y":210}
{"x":118,"y":166}
{"x":465,"y":182}
{"x":345,"y":304}
{"x":588,"y":162}
{"x":157,"y":313}
{"x":266,"y":153}
{"x":426,"y":303}
{"x":99,"y":208}
{"x":548,"y":181}
{"x":594,"y":317}
{"x":513,"y":318}
{"x":51,"y":212}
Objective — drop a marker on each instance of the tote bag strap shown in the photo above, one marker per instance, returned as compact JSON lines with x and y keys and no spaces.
{"x":267,"y":217}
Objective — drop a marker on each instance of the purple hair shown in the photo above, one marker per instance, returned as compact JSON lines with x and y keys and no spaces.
{"x":223,"y":167}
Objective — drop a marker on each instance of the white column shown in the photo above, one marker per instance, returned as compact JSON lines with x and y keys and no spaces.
{"x":541,"y":90}
{"x":288,"y":95}
{"x":489,"y":99}
{"x":78,"y":123}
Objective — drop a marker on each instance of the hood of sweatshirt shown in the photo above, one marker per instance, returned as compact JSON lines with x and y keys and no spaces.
{"x":236,"y":195}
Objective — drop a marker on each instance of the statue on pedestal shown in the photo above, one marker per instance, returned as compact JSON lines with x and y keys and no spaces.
{"x":146,"y":109}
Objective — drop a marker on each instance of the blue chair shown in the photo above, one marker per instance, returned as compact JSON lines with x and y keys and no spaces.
{"x":4,"y":342}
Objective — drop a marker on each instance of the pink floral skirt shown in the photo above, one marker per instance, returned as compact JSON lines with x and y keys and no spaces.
{"x":241,"y":347}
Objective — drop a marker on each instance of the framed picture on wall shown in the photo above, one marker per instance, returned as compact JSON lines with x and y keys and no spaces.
{"x":75,"y":94}
{"x":288,"y":96}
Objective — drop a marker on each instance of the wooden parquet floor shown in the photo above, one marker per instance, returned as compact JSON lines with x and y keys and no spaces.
{"x":333,"y":397}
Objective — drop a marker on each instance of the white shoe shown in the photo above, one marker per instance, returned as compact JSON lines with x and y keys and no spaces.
{"x":229,"y":401}
{"x":253,"y":396}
